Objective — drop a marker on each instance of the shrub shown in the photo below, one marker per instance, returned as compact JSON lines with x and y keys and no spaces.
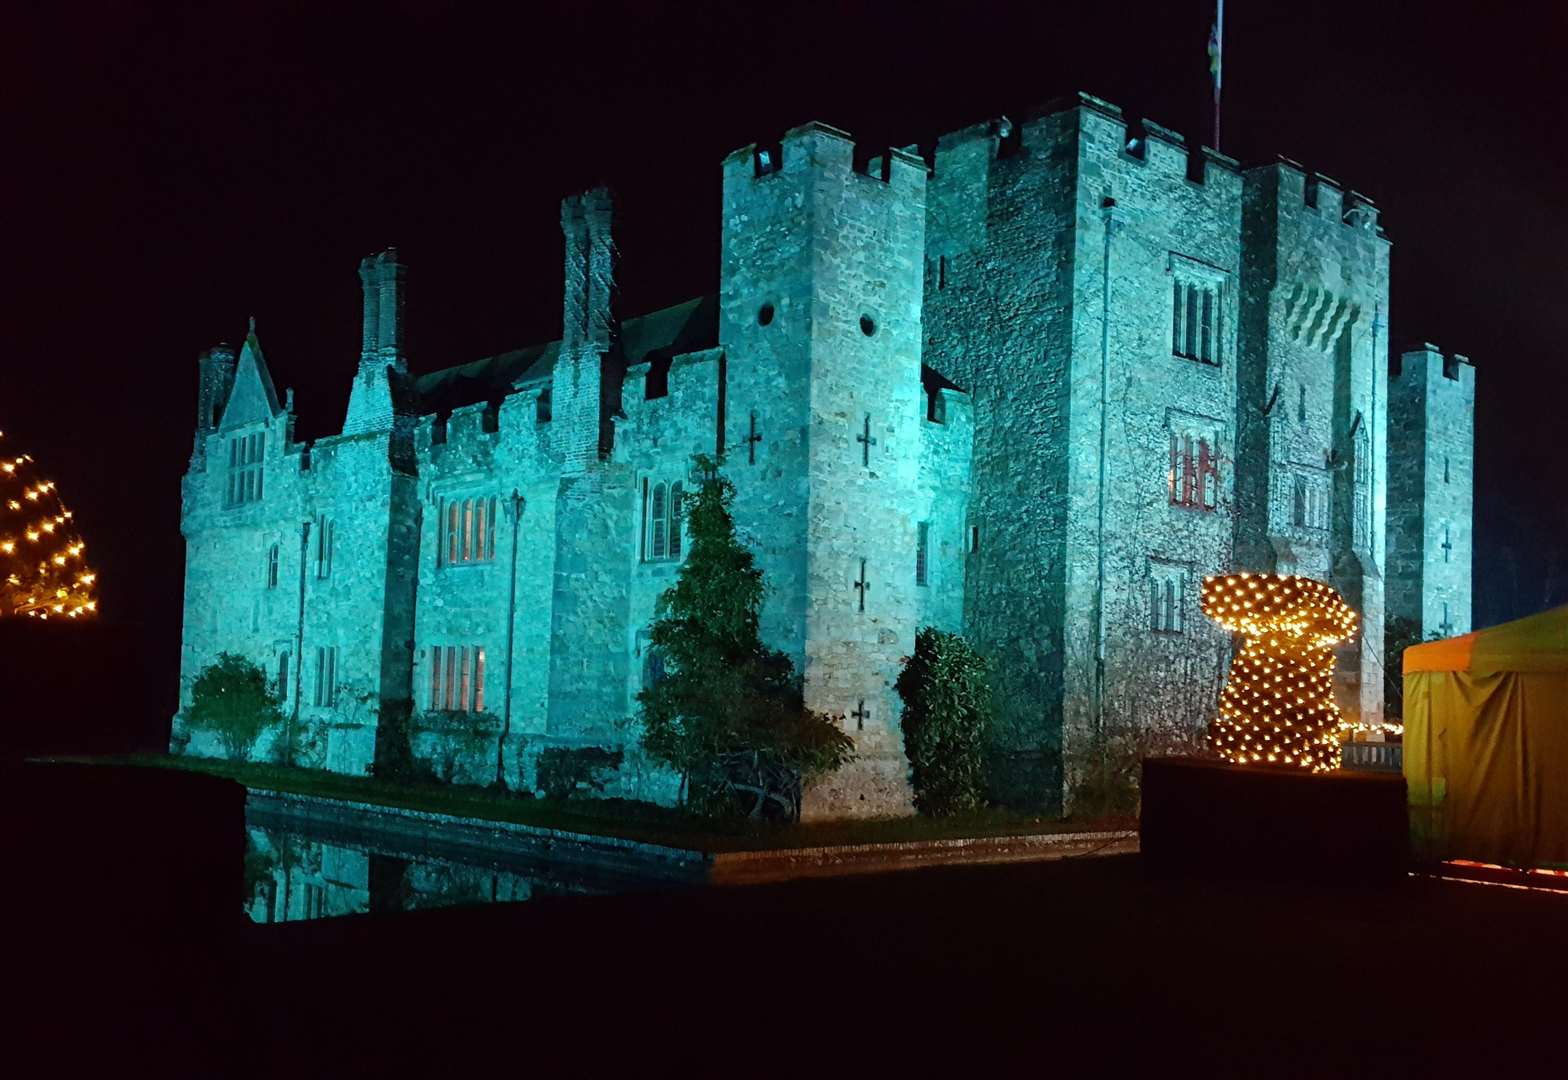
{"x":233,"y":698}
{"x":728,"y":713}
{"x":947,"y":714}
{"x":564,"y":770}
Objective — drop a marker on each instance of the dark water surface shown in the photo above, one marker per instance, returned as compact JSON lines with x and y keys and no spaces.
{"x":304,"y":868}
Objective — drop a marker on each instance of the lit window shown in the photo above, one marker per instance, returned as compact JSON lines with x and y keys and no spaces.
{"x":470,"y":531}
{"x":1193,"y":478}
{"x":457,"y":678}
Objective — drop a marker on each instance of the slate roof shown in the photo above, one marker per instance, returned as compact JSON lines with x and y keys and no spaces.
{"x":660,"y":335}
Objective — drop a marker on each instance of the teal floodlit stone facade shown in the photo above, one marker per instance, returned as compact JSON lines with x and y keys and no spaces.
{"x":1030,"y":388}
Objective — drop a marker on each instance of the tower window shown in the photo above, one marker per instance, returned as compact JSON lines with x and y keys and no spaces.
{"x":922,"y":553}
{"x":1445,"y":468}
{"x":1194,"y":475}
{"x":1309,"y":504}
{"x":1301,"y":405}
{"x":1195,"y":320}
{"x":325,"y":541}
{"x":1167,"y":599}
{"x":868,"y":325}
{"x":245,"y":472}
{"x":470,"y":531}
{"x":283,"y":676}
{"x":272,"y":567}
{"x":661,"y":521}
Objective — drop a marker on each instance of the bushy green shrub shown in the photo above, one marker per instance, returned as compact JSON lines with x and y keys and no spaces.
{"x":947,"y":714}
{"x":233,"y":698}
{"x":563,"y":771}
{"x":728,"y":713}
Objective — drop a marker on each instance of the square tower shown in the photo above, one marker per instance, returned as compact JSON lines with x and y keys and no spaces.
{"x":1431,"y":493}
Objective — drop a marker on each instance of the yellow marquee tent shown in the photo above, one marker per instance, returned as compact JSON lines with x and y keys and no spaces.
{"x":1486,"y":743}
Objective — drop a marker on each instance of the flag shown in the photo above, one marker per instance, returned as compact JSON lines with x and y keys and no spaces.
{"x":1214,"y":53}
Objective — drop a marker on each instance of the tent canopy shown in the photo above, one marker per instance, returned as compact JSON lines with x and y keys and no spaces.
{"x":1536,"y":643}
{"x":1486,"y":743}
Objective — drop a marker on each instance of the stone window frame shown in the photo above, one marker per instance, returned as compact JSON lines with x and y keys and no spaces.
{"x":456,"y":682}
{"x":1194,"y":440}
{"x":661,"y":532}
{"x":283,"y":676}
{"x":1167,"y":593}
{"x":1310,"y":499}
{"x":326,"y":544}
{"x":1193,"y":282}
{"x":1361,"y":487}
{"x":465,"y":529}
{"x":243,"y":484}
{"x":326,"y":691}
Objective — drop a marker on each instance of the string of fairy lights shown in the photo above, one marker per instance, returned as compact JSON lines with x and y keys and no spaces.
{"x":42,"y":568}
{"x":1277,"y":708}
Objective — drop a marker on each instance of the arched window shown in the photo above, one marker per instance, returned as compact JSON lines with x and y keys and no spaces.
{"x":470,"y":530}
{"x":661,"y":516}
{"x":272,"y":567}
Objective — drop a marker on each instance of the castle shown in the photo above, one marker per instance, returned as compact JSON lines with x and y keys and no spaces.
{"x":1030,"y":387}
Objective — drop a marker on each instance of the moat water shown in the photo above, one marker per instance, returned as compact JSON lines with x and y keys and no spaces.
{"x":298,"y":869}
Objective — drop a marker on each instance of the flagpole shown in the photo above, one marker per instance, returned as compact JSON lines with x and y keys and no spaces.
{"x":1219,"y":64}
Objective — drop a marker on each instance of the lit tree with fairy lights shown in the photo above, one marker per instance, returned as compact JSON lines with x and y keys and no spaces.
{"x":1277,"y":708}
{"x":42,"y":570}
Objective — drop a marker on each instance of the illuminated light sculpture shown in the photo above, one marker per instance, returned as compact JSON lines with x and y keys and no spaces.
{"x":1277,"y":708}
{"x":42,"y":572}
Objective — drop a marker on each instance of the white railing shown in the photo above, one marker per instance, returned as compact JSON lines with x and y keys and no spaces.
{"x":1383,"y":756}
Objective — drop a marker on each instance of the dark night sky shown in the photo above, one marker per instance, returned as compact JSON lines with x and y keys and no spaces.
{"x":170,"y":171}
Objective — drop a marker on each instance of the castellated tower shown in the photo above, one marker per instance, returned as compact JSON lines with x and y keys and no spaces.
{"x":1430,"y":491}
{"x":820,"y":297}
{"x":1313,"y":402}
{"x":1103,"y":427}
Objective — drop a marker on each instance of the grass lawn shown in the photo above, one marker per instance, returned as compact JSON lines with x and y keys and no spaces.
{"x":617,"y":817}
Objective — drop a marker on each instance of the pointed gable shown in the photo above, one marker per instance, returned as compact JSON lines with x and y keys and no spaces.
{"x":253,"y":397}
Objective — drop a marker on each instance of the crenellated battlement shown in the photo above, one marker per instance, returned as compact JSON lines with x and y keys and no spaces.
{"x":1426,"y":367}
{"x":819,"y":146}
{"x":1310,"y":192}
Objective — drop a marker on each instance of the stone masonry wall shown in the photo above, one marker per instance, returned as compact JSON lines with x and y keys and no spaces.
{"x":1147,"y":218}
{"x":1431,"y":492}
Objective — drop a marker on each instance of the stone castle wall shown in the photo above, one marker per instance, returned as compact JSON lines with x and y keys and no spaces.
{"x":946,"y":395}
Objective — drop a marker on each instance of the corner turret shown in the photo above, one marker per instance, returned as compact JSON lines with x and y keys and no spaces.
{"x":1431,"y":492}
